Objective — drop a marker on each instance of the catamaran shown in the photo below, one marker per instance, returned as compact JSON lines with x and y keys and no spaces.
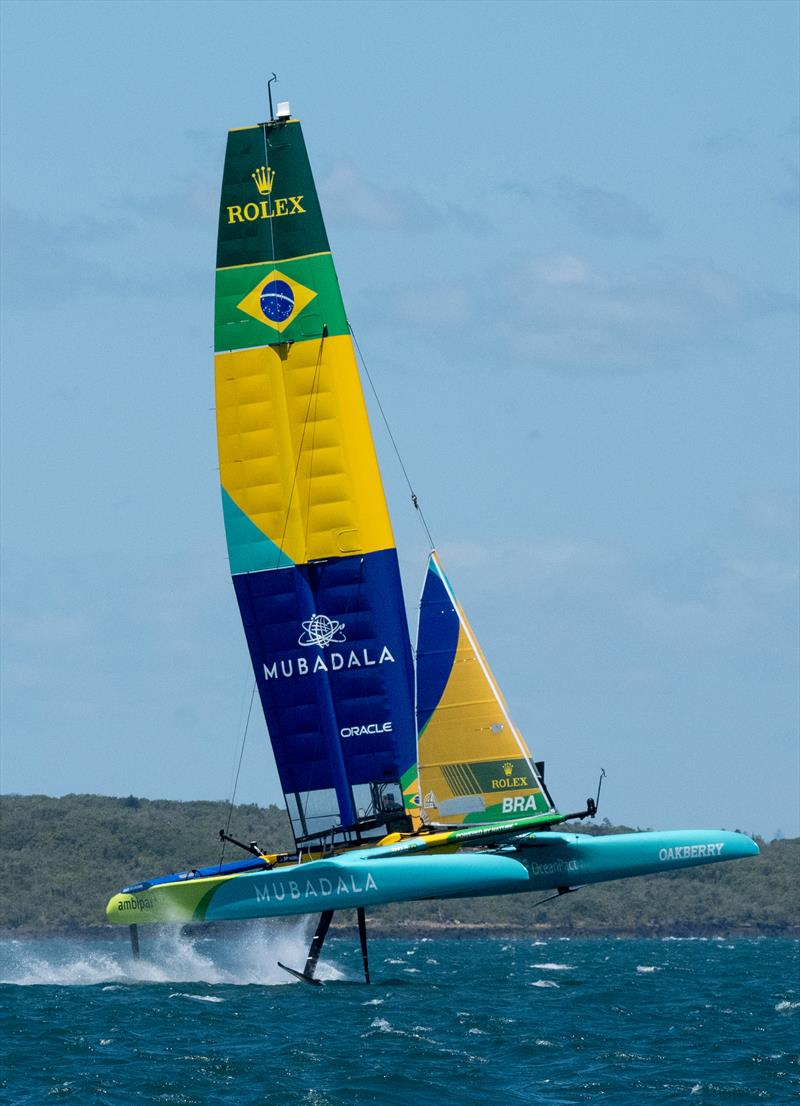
{"x":404,"y":774}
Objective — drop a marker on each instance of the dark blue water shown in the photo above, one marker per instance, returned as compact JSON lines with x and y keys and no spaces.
{"x":446,"y":1021}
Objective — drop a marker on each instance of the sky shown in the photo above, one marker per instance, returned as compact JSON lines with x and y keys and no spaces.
{"x":567,"y":238}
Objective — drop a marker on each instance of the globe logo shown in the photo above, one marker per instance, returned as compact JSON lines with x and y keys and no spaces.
{"x":321,"y":630}
{"x":277,"y":300}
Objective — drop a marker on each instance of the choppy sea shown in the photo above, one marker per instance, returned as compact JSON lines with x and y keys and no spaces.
{"x":446,"y":1021}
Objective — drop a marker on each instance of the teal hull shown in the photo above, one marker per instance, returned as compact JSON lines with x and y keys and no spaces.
{"x":547,"y":862}
{"x":369,"y":877}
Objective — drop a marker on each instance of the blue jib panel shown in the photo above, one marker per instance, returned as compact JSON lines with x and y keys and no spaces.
{"x":437,"y":641}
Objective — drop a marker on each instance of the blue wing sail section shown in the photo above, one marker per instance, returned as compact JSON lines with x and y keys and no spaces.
{"x":333,"y":665}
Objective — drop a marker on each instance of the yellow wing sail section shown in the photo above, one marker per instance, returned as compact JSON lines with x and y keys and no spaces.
{"x":295,"y":450}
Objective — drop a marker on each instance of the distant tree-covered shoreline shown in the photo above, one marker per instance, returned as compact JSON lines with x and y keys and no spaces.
{"x":63,"y":858}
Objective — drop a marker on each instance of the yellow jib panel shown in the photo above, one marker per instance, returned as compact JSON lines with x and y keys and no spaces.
{"x":464,"y":728}
{"x":296,"y":451}
{"x":460,"y":729}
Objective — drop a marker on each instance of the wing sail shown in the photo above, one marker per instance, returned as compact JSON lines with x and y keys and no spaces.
{"x":310,"y":542}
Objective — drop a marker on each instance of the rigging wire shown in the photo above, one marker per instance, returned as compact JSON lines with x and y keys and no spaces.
{"x":271,"y":228}
{"x":307,"y":419}
{"x":312,"y":419}
{"x":269,"y":198}
{"x":238,"y":770}
{"x":301,"y":800}
{"x":414,"y":498}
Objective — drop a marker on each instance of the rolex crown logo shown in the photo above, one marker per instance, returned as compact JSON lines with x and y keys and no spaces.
{"x":508,"y":768}
{"x":263,"y":178}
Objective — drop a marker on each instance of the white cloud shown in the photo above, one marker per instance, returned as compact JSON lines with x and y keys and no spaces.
{"x":735,"y":604}
{"x":433,"y":305}
{"x":536,"y":564}
{"x":561,"y":269}
{"x":559,"y":312}
{"x":766,"y":509}
{"x":348,"y":198}
{"x":66,"y":250}
{"x":603,"y":212}
{"x":193,"y":203}
{"x":789,"y":195}
{"x":598,"y":211}
{"x":740,"y":604}
{"x":722,"y":142}
{"x":47,"y":628}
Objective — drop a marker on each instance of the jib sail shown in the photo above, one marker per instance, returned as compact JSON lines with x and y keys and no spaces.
{"x":474,"y":765}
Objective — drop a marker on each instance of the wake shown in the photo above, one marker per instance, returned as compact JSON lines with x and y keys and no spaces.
{"x":167,"y":956}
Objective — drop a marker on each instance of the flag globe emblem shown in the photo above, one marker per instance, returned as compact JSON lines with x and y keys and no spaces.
{"x":321,"y":630}
{"x":277,"y":300}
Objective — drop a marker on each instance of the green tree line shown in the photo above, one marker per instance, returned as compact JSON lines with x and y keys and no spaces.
{"x":62,"y":859}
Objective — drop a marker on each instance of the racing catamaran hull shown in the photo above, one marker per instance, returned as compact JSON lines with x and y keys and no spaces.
{"x":364,"y":877}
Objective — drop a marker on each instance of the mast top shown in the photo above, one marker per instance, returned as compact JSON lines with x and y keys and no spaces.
{"x":283,"y":112}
